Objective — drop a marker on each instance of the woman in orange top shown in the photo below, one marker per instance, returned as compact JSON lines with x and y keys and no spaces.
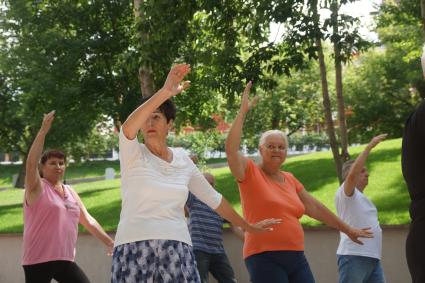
{"x":267,"y":192}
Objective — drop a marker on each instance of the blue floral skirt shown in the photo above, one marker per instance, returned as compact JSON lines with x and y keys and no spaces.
{"x":154,"y":261}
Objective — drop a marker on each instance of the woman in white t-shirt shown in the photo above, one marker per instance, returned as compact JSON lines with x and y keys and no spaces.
{"x":359,"y":263}
{"x":152,"y":243}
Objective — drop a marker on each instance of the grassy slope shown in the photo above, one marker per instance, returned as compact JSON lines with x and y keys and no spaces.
{"x":316,"y":171}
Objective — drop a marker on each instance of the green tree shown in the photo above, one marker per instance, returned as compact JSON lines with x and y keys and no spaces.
{"x":68,"y":56}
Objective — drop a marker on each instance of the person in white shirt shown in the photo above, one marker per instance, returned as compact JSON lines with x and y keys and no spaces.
{"x":359,"y":263}
{"x":152,"y":243}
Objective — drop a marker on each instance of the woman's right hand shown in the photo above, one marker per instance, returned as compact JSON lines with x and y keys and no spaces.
{"x":375,"y":140}
{"x":354,"y":234}
{"x":173,"y":84}
{"x":246,"y":104}
{"x":263,"y":225}
{"x":47,"y":121}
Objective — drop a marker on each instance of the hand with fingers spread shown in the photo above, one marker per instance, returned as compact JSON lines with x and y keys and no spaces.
{"x":354,"y":234}
{"x":264,"y":225}
{"x":174,"y":83}
{"x":246,"y":104}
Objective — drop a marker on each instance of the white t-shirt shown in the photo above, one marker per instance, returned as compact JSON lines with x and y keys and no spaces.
{"x":359,"y":212}
{"x":154,"y":193}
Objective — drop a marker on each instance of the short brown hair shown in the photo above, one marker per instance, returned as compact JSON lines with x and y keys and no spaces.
{"x":52,"y":153}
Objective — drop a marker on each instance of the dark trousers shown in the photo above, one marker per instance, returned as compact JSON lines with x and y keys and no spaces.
{"x":61,"y":270}
{"x":415,"y":250}
{"x":279,"y":267}
{"x":217,"y":264}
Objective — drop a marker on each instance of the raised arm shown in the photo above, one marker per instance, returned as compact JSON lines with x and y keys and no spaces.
{"x":173,"y":85}
{"x":315,"y":209}
{"x":235,"y":159}
{"x":32,"y":176}
{"x":352,"y":177}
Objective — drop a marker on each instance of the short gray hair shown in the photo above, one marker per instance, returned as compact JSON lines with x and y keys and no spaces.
{"x":272,"y":132}
{"x":346,"y":168}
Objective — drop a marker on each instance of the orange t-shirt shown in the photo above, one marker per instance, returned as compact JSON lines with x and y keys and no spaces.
{"x":263,"y":198}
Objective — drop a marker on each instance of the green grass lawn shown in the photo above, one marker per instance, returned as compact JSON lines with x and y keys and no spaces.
{"x":316,"y":171}
{"x":75,"y":171}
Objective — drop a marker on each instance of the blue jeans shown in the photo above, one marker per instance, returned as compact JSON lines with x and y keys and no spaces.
{"x":279,"y":267}
{"x":359,"y":269}
{"x":217,"y":264}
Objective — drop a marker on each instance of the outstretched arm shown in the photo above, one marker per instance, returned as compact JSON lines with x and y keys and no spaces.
{"x":32,"y":176}
{"x":238,"y":232}
{"x":351,"y":179}
{"x":173,"y":85}
{"x":236,"y":161}
{"x":315,"y":209}
{"x":226,"y":211}
{"x":91,"y":224}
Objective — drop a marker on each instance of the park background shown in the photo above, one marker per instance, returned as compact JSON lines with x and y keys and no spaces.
{"x":320,"y":75}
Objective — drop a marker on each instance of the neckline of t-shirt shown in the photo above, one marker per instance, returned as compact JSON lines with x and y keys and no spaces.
{"x":64,"y":187}
{"x":280,"y":185}
{"x":160,"y":159}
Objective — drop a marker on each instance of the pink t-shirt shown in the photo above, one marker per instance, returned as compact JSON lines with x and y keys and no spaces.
{"x":50,"y":226}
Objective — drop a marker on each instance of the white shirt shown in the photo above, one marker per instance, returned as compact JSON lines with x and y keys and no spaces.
{"x":359,"y":212}
{"x":154,"y":193}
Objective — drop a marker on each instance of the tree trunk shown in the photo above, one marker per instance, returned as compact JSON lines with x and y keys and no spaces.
{"x":338,"y":78}
{"x":325,"y":93}
{"x":145,"y":72}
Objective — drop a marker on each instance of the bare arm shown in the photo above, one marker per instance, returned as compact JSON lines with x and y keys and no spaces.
{"x":32,"y":176}
{"x":226,"y":211}
{"x":351,"y":179}
{"x":237,"y":162}
{"x":172,"y":86}
{"x":238,"y":232}
{"x":91,"y":224}
{"x":315,"y":209}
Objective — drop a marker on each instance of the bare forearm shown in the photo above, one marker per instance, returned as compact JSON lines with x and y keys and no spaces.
{"x":226,"y":211}
{"x":360,"y":162}
{"x":235,"y":159}
{"x":97,"y":231}
{"x":31,"y":168}
{"x":321,"y":213}
{"x":233,"y":140}
{"x":36,"y":149}
{"x":132,"y":125}
{"x":238,"y":232}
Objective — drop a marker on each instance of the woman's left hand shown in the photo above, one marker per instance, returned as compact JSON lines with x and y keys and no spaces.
{"x":263,"y":225}
{"x":354,"y":234}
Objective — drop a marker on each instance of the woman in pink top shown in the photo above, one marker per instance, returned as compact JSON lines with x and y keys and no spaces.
{"x":265,"y":190}
{"x":52,"y":212}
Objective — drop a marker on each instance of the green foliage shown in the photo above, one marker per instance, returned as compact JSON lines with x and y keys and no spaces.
{"x":69,"y":56}
{"x":199,"y":143}
{"x":400,"y":30}
{"x":384,"y":85}
{"x":310,"y":140}
{"x":294,"y":104}
{"x":380,"y":103}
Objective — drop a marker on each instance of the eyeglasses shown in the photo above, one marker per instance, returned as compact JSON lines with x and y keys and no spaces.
{"x":272,"y":147}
